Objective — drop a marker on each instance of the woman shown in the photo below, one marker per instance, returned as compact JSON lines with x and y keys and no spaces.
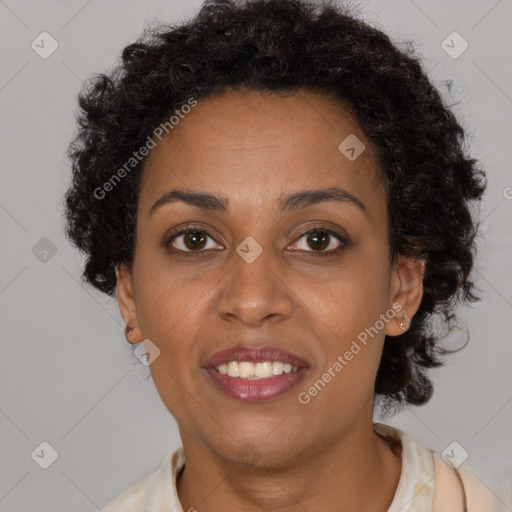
{"x":279,"y":199}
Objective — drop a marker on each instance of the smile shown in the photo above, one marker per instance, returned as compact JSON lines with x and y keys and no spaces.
{"x":255,"y":375}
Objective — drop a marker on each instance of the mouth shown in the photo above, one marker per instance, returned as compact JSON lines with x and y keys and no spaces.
{"x":255,"y":375}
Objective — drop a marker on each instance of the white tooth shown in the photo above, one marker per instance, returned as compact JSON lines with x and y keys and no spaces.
{"x":263,"y":370}
{"x":233,"y":369}
{"x":259,"y":370}
{"x":277,"y":368}
{"x":246,"y":369}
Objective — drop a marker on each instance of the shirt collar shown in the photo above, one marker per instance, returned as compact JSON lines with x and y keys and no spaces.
{"x":415,"y":489}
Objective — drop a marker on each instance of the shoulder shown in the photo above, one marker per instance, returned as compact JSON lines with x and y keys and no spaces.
{"x":153,"y":493}
{"x":454,"y":486}
{"x":132,"y":498}
{"x":429,"y":482}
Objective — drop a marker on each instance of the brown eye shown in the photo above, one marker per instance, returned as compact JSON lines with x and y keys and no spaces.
{"x":318,"y":240}
{"x":191,"y":240}
{"x":321,"y":241}
{"x":194,"y":240}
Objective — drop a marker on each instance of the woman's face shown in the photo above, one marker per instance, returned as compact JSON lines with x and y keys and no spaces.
{"x":254,"y":277}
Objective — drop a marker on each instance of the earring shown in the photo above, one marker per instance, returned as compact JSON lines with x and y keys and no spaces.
{"x":128,"y":331}
{"x":402,"y":325}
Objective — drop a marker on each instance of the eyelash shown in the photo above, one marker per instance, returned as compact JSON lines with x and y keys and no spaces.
{"x":319,"y":228}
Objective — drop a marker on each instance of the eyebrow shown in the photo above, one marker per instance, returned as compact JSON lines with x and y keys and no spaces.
{"x":219,"y":203}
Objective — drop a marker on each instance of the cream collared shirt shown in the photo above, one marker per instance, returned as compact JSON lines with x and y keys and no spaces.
{"x":427,"y":484}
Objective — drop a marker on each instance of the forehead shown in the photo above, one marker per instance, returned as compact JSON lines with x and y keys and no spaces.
{"x":254,"y":146}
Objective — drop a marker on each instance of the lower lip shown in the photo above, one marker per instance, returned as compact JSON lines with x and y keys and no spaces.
{"x":256,"y":390}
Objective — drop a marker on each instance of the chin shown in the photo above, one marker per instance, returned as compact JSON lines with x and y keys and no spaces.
{"x":258,"y":448}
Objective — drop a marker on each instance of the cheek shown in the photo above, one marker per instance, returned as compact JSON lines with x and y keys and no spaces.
{"x":351,"y":299}
{"x":171,"y":311}
{"x":165,"y":297}
{"x":347,"y":313}
{"x":169,"y":315}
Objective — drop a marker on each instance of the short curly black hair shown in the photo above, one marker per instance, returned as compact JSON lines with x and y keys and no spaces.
{"x":279,"y":46}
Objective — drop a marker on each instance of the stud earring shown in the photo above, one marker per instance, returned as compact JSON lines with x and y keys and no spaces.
{"x":128,"y":331}
{"x":402,"y":325}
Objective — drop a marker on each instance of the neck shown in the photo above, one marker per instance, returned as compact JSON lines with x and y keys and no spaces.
{"x":357,"y":471}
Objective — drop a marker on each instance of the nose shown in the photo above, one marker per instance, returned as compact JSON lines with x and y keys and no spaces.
{"x":255,"y":293}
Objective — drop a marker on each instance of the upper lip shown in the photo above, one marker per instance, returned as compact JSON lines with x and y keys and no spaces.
{"x":254,"y":355}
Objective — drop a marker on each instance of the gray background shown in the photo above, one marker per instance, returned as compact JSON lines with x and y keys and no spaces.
{"x":67,"y":375}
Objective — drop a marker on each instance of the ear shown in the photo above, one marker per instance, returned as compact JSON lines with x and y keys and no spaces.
{"x":406,"y":292}
{"x":127,"y":307}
